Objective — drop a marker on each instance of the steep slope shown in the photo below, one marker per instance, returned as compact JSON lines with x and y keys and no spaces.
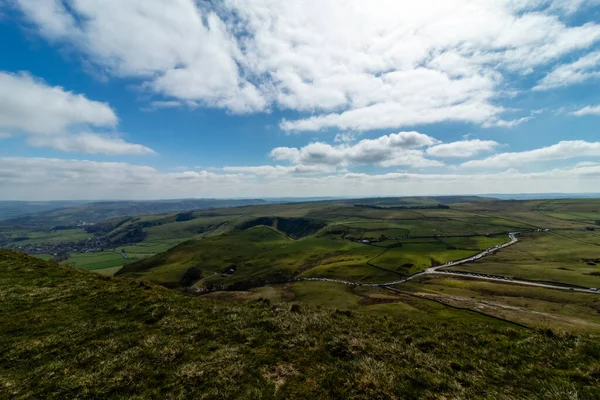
{"x":72,"y":334}
{"x":244,"y":251}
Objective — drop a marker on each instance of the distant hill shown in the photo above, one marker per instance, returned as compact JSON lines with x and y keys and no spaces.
{"x":100,"y":211}
{"x":540,"y":196}
{"x":11,"y":209}
{"x":72,"y":213}
{"x":71,"y":334}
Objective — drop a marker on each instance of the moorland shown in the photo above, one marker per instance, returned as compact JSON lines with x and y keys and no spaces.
{"x":288,"y":252}
{"x":357,"y":298}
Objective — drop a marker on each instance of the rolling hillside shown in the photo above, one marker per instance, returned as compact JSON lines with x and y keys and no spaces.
{"x":68,"y":333}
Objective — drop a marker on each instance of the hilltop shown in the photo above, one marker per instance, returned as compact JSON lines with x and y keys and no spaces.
{"x":69,"y":333}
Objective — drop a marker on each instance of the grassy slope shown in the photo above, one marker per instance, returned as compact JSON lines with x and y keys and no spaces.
{"x":545,"y":257}
{"x":68,"y":333}
{"x":536,"y":307}
{"x":261,"y":252}
{"x":326,"y":254}
{"x":344,"y":220}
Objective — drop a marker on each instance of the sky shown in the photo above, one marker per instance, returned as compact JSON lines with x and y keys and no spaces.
{"x":157,"y":99}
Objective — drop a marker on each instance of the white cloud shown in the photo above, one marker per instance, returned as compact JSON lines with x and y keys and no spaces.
{"x":49,"y":178}
{"x":501,"y":123}
{"x":561,"y":151}
{"x":30,"y":105}
{"x":49,"y":115}
{"x":462,"y":149}
{"x":51,"y":16}
{"x":411,"y":158}
{"x":346,"y":137}
{"x":166,"y":104}
{"x":277,"y":170}
{"x":44,"y":179}
{"x":181,"y":51}
{"x":91,"y":144}
{"x":389,"y":150}
{"x":586,"y":164}
{"x":585,"y":68}
{"x":571,"y":6}
{"x":341,"y":63}
{"x":4,"y":135}
{"x":394,"y":114}
{"x":588,"y":110}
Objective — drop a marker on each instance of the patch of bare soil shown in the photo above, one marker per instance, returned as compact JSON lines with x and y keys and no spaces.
{"x":279,"y":374}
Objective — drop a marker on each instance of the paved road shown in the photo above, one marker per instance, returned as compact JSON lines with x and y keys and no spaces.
{"x":440,"y":270}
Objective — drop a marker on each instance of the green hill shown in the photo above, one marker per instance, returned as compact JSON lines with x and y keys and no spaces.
{"x":260,"y":255}
{"x":68,"y":333}
{"x":293,"y":227}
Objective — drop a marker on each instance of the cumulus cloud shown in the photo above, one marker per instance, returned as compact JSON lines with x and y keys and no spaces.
{"x":276,"y":170}
{"x":462,"y":149}
{"x":388,"y":150}
{"x":585,"y":68}
{"x":49,"y":115}
{"x":30,"y":105}
{"x":182,"y":51}
{"x":341,"y":63}
{"x":502,"y":123}
{"x":46,"y":178}
{"x":587,"y":110}
{"x":345,"y":137}
{"x":561,"y":151}
{"x":91,"y":144}
{"x":52,"y":178}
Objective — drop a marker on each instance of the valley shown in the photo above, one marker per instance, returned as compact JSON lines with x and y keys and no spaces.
{"x":384,"y":244}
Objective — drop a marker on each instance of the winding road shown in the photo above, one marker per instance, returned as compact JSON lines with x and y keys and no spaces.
{"x":440,"y":270}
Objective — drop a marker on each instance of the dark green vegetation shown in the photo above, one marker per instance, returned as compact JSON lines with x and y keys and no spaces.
{"x":73,"y":334}
{"x":295,"y":228}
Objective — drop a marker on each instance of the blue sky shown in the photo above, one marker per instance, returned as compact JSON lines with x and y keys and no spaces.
{"x":150,"y":99}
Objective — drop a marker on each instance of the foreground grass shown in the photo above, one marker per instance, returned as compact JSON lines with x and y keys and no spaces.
{"x":68,"y":333}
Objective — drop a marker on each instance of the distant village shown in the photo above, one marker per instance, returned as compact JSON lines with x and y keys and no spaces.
{"x":91,"y":245}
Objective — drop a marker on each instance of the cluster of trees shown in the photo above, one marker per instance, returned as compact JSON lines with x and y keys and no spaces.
{"x":185,"y":216}
{"x":191,"y":276}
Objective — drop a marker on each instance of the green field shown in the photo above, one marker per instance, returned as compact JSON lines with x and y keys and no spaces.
{"x":25,"y":237}
{"x":538,"y":307}
{"x":96,"y":261}
{"x":545,"y":257}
